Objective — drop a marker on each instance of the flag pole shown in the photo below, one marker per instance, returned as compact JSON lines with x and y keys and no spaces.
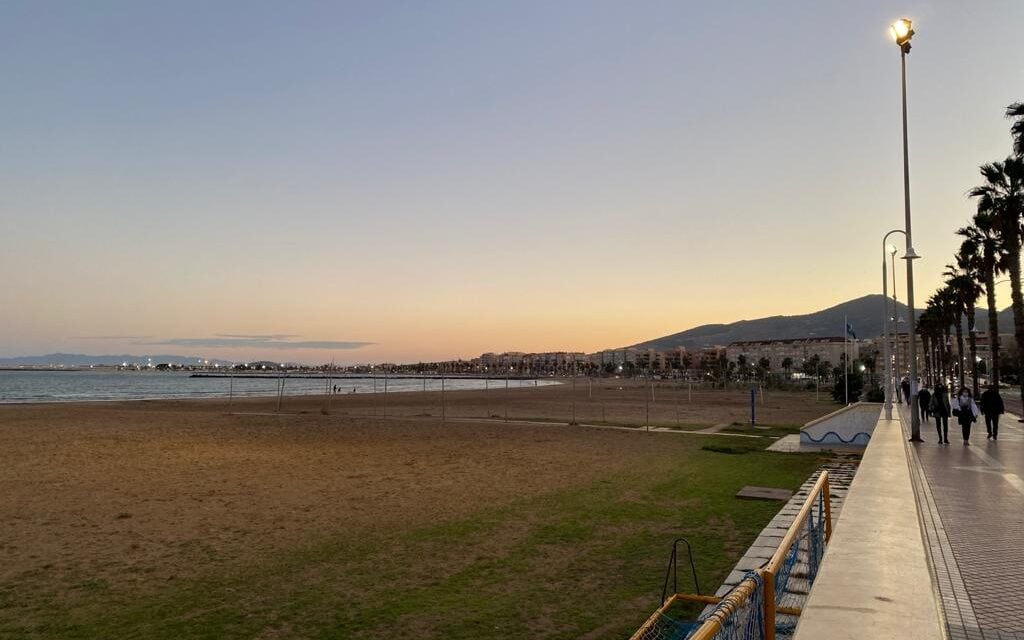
{"x":846,"y":368}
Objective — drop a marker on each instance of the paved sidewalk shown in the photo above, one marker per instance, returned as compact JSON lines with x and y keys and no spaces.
{"x":971,"y":500}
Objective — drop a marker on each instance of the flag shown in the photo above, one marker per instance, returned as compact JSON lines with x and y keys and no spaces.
{"x":849,"y":331}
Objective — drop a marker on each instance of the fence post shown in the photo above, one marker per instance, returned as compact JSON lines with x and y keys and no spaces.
{"x":769,"y":604}
{"x":573,"y":399}
{"x":828,"y":508}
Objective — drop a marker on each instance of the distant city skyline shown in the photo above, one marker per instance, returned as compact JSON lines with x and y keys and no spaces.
{"x":402,"y":183}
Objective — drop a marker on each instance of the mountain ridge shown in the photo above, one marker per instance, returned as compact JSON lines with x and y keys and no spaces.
{"x":864,"y":315}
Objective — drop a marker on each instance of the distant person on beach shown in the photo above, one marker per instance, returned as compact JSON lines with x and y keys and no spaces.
{"x":923,"y":398}
{"x":992,"y":406}
{"x":966,"y":412}
{"x":905,"y":388}
{"x":939,"y":407}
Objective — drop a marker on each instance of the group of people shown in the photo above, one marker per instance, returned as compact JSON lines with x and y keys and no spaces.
{"x":938,"y":405}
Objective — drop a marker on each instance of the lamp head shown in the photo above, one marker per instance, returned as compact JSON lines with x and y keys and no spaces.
{"x":902,"y":31}
{"x":892,"y":249}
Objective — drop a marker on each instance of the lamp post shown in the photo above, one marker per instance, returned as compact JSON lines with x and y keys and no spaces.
{"x":895,"y":319}
{"x":885,"y":321}
{"x":903,"y":31}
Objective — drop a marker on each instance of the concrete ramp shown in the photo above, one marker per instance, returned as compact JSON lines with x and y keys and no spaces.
{"x":850,"y":426}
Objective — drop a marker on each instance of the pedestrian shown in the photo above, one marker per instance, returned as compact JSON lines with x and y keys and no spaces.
{"x":940,"y":410}
{"x":966,"y":412}
{"x":905,"y":388}
{"x":923,"y":398}
{"x":992,"y":407}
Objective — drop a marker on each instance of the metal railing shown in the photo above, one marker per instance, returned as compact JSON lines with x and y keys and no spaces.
{"x":783,"y":578}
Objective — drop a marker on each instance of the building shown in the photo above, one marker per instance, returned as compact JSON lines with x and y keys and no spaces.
{"x":829,"y":349}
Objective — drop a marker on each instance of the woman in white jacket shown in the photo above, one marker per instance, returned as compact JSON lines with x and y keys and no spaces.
{"x":966,"y":412}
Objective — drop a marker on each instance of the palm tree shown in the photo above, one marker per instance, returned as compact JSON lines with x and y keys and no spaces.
{"x":945,"y":314}
{"x":992,"y":262}
{"x":956,"y":310}
{"x":1016,"y":112}
{"x":927,"y":328}
{"x":963,"y":283}
{"x":1002,"y":197}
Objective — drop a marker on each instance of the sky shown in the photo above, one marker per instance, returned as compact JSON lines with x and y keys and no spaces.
{"x":405,"y":181}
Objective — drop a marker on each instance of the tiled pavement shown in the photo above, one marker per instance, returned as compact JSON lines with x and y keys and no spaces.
{"x":971,"y":500}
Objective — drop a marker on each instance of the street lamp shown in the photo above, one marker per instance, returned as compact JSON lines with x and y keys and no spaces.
{"x":885,"y":319}
{"x":895,"y":320}
{"x":902,"y":32}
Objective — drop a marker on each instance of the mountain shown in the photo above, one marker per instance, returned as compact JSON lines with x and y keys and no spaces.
{"x":82,"y":360}
{"x":864,"y":315}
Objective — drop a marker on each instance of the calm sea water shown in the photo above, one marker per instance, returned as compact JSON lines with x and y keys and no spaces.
{"x":79,"y":386}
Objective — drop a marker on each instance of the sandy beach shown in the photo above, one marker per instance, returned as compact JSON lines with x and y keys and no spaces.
{"x":138,"y":496}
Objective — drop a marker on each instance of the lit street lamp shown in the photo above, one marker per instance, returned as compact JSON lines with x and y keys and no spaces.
{"x":885,"y":321}
{"x":903,"y":31}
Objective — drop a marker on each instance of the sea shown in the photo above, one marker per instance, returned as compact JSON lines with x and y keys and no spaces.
{"x":26,"y":386}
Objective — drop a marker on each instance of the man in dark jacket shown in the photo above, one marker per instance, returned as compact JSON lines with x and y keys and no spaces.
{"x":991,"y":406}
{"x":924,"y":397}
{"x":905,"y":388}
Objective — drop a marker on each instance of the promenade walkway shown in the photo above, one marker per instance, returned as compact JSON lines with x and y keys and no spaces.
{"x":971,"y":502}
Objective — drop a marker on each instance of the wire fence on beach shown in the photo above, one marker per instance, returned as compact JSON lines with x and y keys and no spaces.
{"x":652,"y":404}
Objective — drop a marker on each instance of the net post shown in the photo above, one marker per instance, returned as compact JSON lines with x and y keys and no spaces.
{"x":828,"y":507}
{"x":769,"y":604}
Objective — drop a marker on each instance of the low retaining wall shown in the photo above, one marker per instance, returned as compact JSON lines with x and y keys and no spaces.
{"x":850,"y":426}
{"x":874,"y":582}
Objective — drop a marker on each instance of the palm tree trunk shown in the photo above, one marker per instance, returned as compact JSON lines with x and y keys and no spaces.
{"x":1013,"y":255}
{"x":972,"y":341}
{"x":947,"y":356}
{"x":993,"y":325}
{"x":927,"y":358}
{"x":960,"y":348}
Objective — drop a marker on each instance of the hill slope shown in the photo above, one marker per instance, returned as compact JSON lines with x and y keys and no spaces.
{"x":864,"y":315}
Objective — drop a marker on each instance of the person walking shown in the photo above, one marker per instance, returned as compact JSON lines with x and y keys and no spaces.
{"x":992,"y":407}
{"x":923,"y":398}
{"x":905,"y":388}
{"x":966,"y":412}
{"x":940,"y":410}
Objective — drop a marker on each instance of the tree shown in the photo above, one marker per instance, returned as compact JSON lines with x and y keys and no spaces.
{"x":943,"y":311}
{"x":787,"y":366}
{"x":1016,"y":112}
{"x":929,"y":327}
{"x":991,"y":262}
{"x":1002,"y":197}
{"x":811,"y":366}
{"x":856,"y":386}
{"x":962,"y":280}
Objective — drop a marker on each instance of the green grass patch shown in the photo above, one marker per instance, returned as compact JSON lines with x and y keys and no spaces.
{"x":588,"y":561}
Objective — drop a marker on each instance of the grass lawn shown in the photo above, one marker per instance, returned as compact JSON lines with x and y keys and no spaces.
{"x":579,"y":563}
{"x":531,"y":532}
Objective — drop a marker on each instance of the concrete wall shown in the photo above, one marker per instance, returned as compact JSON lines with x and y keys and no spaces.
{"x":874,"y":582}
{"x":849,"y":427}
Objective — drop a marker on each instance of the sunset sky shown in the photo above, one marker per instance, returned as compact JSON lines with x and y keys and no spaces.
{"x":441,"y":179}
